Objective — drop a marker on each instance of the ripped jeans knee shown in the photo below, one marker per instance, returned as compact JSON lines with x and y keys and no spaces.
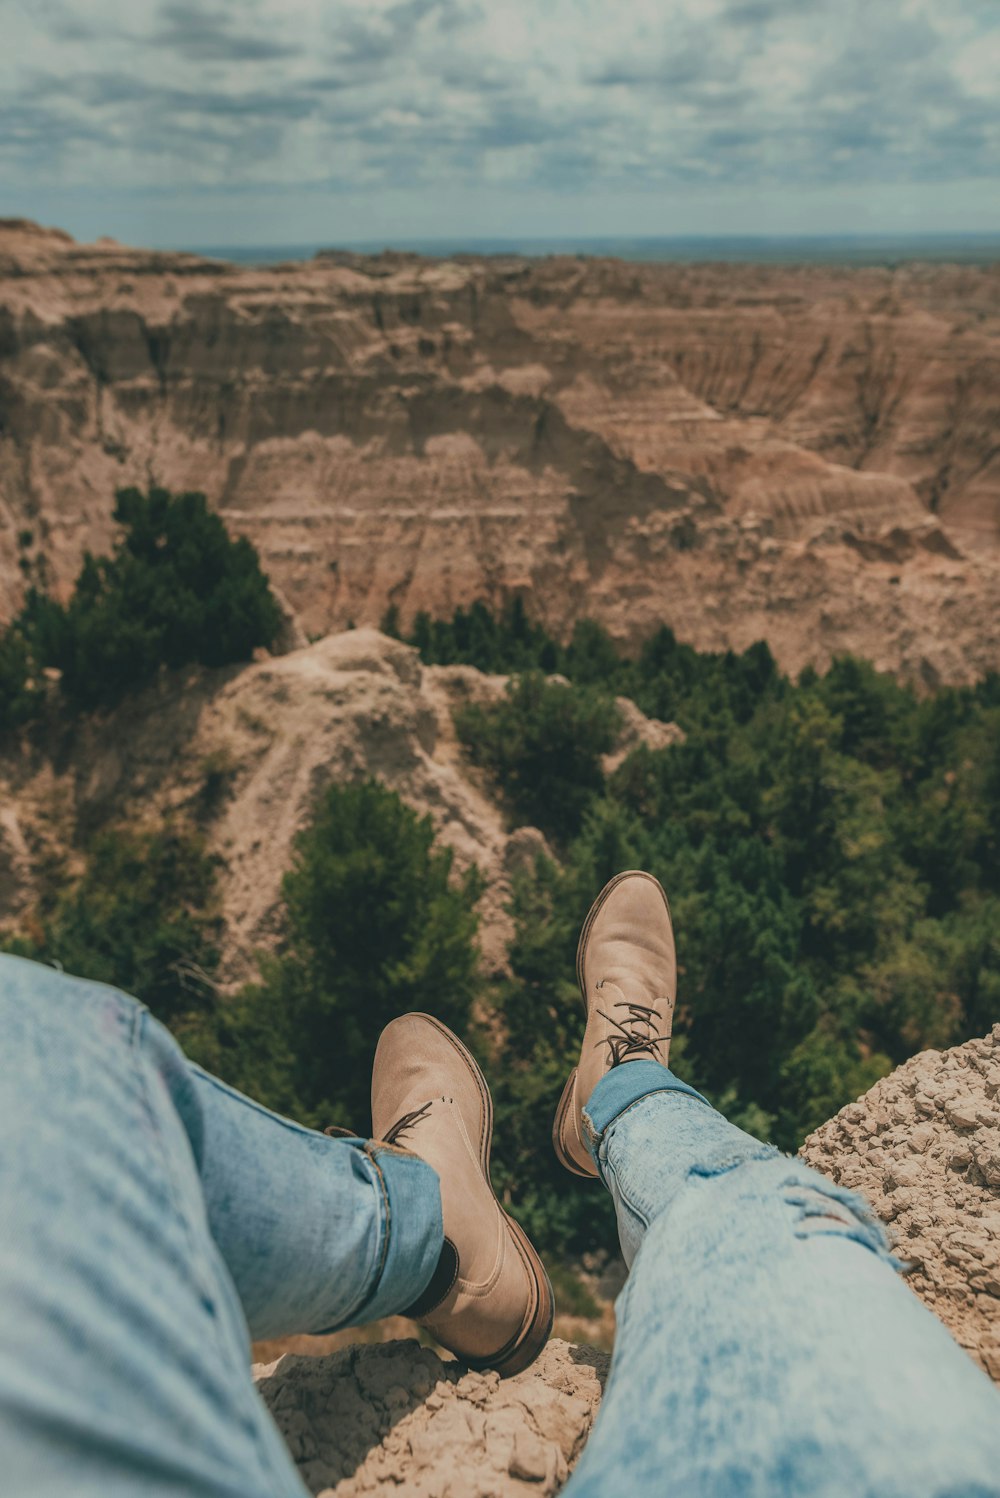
{"x":817,"y":1207}
{"x":822,"y":1209}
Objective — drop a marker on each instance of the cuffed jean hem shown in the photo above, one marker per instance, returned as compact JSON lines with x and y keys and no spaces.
{"x":622,"y":1086}
{"x":412,"y":1230}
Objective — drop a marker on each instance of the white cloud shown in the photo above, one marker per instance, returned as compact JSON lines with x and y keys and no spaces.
{"x":560,"y":99}
{"x":977,"y":67}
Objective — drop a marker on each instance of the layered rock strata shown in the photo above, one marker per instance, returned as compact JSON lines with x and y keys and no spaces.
{"x":802,"y":454}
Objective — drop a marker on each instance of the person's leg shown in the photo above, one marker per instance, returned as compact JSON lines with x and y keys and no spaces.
{"x":146,"y":1212}
{"x":317,"y":1233}
{"x":766,"y":1344}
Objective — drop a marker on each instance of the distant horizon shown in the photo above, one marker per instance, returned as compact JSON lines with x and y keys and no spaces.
{"x":969,"y":247}
{"x":293,"y":123}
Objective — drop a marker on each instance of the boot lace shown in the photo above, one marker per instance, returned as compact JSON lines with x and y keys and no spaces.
{"x":405,"y":1123}
{"x":634,"y":1032}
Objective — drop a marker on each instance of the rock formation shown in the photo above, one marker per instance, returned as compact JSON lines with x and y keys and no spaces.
{"x":923,"y":1147}
{"x":245,"y":751}
{"x":802,"y":454}
{"x":396,"y":1418}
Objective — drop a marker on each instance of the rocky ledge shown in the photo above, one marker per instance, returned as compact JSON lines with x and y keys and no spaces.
{"x":396,"y":1417}
{"x":923,"y":1146}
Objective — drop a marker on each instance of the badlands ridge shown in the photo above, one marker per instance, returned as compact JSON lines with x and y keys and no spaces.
{"x":804,"y":454}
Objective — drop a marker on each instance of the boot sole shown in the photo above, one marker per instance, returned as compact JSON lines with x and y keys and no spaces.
{"x":534,"y":1332}
{"x":561,"y":1123}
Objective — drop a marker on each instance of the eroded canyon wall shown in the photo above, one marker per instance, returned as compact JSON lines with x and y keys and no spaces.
{"x":808,"y":455}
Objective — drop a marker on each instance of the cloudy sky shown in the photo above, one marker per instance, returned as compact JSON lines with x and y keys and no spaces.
{"x":212,"y":122}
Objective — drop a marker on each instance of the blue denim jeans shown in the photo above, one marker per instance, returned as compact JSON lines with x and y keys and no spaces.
{"x":151,"y":1219}
{"x":767,"y":1345}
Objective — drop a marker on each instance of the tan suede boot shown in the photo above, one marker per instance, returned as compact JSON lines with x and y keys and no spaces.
{"x":627,"y":971}
{"x":490,"y":1302}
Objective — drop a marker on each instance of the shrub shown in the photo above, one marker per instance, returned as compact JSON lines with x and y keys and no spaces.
{"x":177,"y":589}
{"x":502,"y":642}
{"x":142,"y":917}
{"x":543,"y":744}
{"x":19,"y":697}
{"x":375,"y":927}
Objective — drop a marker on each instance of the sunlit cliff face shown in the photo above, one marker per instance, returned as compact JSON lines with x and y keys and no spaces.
{"x":801,"y":454}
